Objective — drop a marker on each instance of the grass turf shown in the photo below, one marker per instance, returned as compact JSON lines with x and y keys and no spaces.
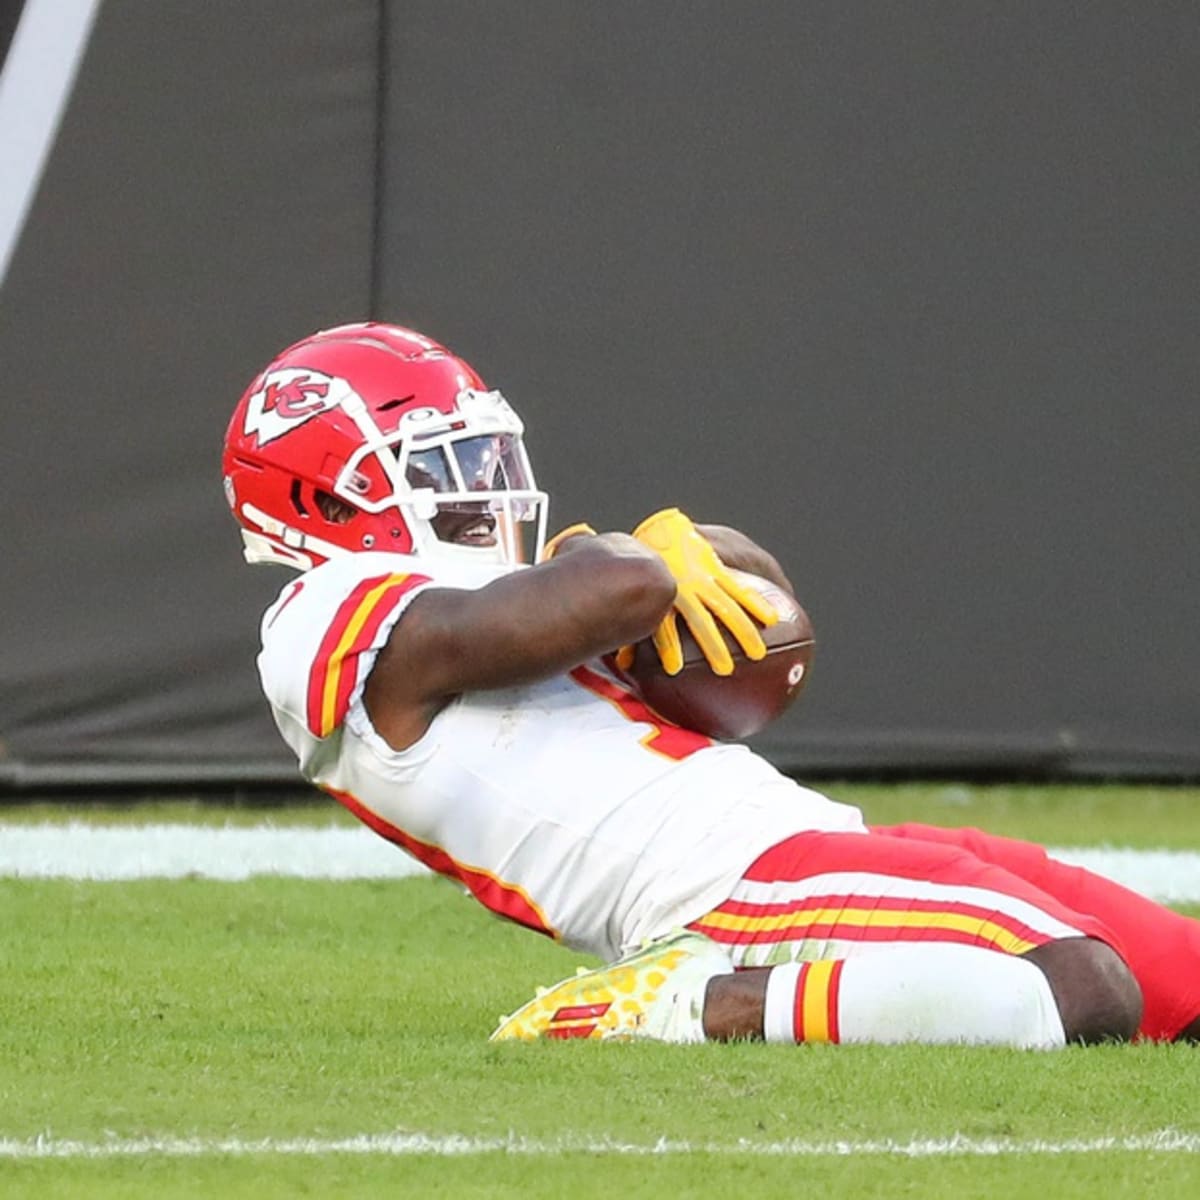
{"x":284,"y":1008}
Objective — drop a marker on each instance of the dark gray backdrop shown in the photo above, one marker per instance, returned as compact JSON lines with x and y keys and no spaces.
{"x":908,"y":291}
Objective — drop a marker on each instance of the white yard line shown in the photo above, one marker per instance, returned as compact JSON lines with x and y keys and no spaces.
{"x":1162,"y":1141}
{"x":116,"y":852}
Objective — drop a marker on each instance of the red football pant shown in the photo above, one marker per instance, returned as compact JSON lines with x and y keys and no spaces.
{"x":1161,"y":947}
{"x":829,"y":896}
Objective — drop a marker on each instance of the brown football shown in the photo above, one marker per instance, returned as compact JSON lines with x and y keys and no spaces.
{"x":737,"y":705}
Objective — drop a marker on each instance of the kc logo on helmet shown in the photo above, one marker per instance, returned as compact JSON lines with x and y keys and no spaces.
{"x":289,"y":397}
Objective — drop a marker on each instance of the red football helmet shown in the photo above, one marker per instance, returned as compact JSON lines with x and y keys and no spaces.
{"x":373,"y":437}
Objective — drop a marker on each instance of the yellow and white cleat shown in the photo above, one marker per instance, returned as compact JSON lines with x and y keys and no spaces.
{"x":656,"y":993}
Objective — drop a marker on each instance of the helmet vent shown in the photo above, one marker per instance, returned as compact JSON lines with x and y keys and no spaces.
{"x":388,"y":405}
{"x":297,"y":501}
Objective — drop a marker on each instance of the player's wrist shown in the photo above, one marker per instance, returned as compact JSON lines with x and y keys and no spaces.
{"x":556,"y":543}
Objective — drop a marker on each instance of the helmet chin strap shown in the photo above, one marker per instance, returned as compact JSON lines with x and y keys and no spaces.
{"x":259,"y":549}
{"x":296,"y":545}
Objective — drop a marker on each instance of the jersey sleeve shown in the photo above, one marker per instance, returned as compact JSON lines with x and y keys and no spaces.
{"x":321,"y":636}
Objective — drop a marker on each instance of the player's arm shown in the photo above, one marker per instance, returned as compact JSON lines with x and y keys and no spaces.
{"x":594,"y":594}
{"x":737,"y":550}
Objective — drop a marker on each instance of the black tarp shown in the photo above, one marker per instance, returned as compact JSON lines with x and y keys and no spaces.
{"x":907,"y":291}
{"x":210,"y":193}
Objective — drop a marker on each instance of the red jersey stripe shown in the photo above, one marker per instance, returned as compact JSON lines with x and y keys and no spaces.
{"x":333,"y":674}
{"x":505,"y":899}
{"x":671,"y":741}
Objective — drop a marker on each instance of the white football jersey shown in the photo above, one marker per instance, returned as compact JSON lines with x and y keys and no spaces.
{"x":565,"y":805}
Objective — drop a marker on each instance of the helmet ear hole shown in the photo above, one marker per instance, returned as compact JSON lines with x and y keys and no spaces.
{"x":335,"y":511}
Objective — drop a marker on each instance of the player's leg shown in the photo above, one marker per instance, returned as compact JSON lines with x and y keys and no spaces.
{"x":683,"y":989}
{"x":932,"y":993}
{"x":882,"y":939}
{"x":860,"y":938}
{"x":1161,"y":947}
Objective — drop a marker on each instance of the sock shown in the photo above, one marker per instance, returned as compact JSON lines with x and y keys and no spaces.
{"x":914,"y":993}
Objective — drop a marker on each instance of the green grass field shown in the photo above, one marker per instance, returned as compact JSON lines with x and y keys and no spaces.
{"x":195,"y":1038}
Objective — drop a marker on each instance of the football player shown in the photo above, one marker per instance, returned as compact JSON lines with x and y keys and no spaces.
{"x":446,"y":673}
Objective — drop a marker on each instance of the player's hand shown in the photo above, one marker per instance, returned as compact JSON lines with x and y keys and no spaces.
{"x":706,"y":592}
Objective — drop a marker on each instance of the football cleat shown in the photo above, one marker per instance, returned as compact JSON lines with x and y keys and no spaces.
{"x":656,"y":993}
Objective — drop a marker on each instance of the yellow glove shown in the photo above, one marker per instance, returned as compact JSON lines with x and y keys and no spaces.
{"x":551,"y":547}
{"x":705,"y":589}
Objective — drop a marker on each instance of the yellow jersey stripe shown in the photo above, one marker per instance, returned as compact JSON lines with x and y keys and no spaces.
{"x":333,"y":669}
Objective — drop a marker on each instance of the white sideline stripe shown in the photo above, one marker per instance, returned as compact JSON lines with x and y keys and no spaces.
{"x":1162,"y":1141}
{"x":1170,"y":876}
{"x":119,"y":852}
{"x":39,"y":72}
{"x":77,"y":850}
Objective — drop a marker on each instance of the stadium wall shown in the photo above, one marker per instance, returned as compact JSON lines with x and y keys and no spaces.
{"x":908,"y":292}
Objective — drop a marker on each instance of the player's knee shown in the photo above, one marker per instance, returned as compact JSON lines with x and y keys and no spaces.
{"x":1098,"y":998}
